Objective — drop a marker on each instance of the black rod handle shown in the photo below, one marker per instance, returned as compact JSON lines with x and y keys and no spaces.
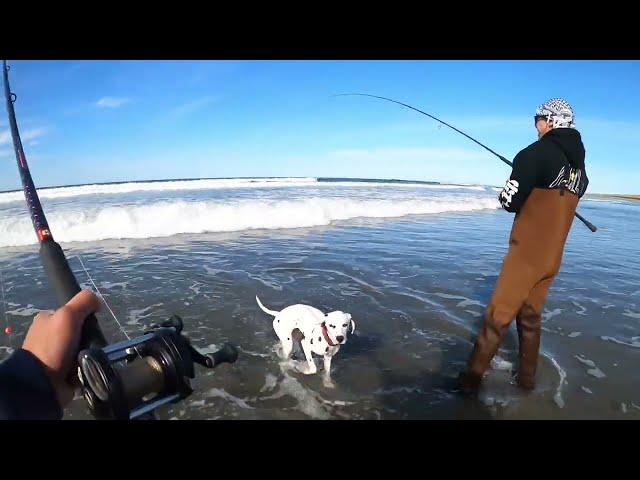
{"x":65,"y":287}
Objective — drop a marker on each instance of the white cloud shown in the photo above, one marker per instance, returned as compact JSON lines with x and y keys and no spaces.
{"x":29,"y":134}
{"x":429,"y":153}
{"x":6,"y":153}
{"x":193,"y":106}
{"x":111,"y":102}
{"x":33,"y":133}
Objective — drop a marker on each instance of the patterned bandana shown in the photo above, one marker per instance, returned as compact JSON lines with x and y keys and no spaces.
{"x":558,"y":112}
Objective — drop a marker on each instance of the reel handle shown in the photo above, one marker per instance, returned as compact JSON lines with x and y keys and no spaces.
{"x":227,"y":354}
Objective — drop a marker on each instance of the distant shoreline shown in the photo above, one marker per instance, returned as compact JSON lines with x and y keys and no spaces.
{"x":614,"y":196}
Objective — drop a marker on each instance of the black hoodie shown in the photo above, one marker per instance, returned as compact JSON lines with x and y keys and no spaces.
{"x":554,"y":161}
{"x":26,"y":392}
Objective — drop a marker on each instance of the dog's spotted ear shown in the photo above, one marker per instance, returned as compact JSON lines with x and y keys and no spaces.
{"x":353,"y":325}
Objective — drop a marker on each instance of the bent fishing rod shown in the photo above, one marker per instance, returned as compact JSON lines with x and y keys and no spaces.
{"x":589,"y":225}
{"x":125,"y":380}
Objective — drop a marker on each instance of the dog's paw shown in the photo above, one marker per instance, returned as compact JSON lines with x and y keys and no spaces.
{"x":306,"y":369}
{"x":328,"y":383}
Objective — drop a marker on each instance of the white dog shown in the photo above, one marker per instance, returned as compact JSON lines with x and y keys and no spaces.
{"x":318,"y":333}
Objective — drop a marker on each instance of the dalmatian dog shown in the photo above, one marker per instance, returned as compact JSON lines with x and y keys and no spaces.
{"x":317,"y":333}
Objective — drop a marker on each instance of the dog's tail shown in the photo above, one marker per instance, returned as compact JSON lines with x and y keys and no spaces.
{"x":265,"y":309}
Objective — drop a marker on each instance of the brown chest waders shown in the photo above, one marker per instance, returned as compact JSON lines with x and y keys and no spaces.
{"x":536,"y":246}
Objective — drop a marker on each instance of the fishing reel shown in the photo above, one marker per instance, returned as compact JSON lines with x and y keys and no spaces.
{"x":130,"y":379}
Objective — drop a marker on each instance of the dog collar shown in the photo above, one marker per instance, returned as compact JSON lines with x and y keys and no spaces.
{"x":325,"y":334}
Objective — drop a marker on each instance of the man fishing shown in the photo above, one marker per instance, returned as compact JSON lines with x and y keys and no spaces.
{"x":544,"y":188}
{"x":33,"y":380}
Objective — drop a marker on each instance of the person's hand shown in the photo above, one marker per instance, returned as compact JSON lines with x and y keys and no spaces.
{"x":54,"y":338}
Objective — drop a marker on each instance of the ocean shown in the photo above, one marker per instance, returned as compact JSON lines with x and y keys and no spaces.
{"x":414,"y":263}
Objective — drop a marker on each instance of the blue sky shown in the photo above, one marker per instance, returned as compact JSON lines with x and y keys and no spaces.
{"x":100,"y":121}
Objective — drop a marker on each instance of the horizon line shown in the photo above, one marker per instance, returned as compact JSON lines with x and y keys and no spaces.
{"x":397,"y":180}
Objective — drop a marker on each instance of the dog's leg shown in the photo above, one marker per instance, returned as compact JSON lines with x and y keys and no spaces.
{"x":286,"y":342}
{"x":311,"y":366}
{"x":326,"y":380}
{"x":287,"y":346}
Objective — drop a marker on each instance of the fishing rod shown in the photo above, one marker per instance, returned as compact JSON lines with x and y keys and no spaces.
{"x":125,"y":380}
{"x":589,"y":225}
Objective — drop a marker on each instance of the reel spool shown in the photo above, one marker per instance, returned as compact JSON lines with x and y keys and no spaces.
{"x":129,"y":379}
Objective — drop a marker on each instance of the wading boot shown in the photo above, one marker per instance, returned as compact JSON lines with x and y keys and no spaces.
{"x":485,"y":348}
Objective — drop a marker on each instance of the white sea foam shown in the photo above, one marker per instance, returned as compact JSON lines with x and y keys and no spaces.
{"x":167,"y":218}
